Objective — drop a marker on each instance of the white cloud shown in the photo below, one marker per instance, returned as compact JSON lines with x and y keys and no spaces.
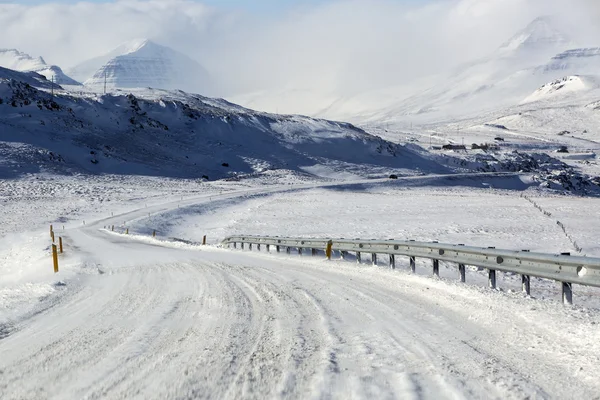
{"x":342,"y":46}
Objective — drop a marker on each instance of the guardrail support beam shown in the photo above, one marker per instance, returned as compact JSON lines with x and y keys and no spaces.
{"x":413,"y":265}
{"x":374,"y":258}
{"x":268,"y":248}
{"x":258,"y":247}
{"x":492,"y":278}
{"x":436,"y":268}
{"x":314,"y":252}
{"x":278,"y":248}
{"x":567,"y":293}
{"x":358,"y":260}
{"x":392,"y":261}
{"x":526,"y":284}
{"x":299,"y":251}
{"x":250,"y":246}
{"x":462,"y":271}
{"x":288,"y":250}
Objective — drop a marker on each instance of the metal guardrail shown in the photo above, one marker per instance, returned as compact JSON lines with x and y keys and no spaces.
{"x":562,"y":268}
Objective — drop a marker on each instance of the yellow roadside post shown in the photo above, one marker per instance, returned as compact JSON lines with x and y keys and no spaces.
{"x":51,"y":230}
{"x":127,"y":231}
{"x":60,"y":246}
{"x":55,"y":258}
{"x":52,"y":236}
{"x":154,"y":233}
{"x":204,"y":241}
{"x":328,"y":250}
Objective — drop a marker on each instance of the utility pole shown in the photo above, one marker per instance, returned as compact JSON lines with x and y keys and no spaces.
{"x":52,"y":87}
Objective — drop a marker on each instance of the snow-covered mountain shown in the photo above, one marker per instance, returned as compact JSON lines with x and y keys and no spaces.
{"x":502,"y":78}
{"x":157,"y":132}
{"x":143,"y":63}
{"x":16,"y":60}
{"x":520,"y":66}
{"x":540,"y":36}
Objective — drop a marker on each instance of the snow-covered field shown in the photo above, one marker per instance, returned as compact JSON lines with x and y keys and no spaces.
{"x":130,"y":316}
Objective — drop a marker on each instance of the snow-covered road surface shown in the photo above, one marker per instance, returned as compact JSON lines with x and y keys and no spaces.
{"x":170,"y":322}
{"x":136,"y":317}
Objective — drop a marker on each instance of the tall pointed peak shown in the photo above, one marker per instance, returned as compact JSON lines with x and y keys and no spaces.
{"x":542,"y":33}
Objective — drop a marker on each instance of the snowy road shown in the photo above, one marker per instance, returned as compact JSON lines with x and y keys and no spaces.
{"x":217,"y":324}
{"x":150,"y":319}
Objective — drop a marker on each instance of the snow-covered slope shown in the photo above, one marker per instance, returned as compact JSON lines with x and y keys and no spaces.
{"x":143,"y":63}
{"x":164,"y":133}
{"x":16,"y":60}
{"x":502,"y":79}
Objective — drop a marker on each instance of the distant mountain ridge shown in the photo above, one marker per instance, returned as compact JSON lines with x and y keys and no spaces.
{"x":19,"y":61}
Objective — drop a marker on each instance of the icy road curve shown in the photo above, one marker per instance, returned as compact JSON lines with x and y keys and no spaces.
{"x":157,"y":321}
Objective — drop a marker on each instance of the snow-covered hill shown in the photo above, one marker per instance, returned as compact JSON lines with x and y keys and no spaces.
{"x":143,"y":63}
{"x":16,"y":60}
{"x":564,"y":88}
{"x":156,"y":132}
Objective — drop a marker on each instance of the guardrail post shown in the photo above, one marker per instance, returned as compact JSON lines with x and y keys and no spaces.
{"x":258,"y":247}
{"x":413,"y":265}
{"x":204,"y":240}
{"x":374,"y":258}
{"x":343,"y":255}
{"x":234,"y":245}
{"x":277,"y":248}
{"x":250,"y":246}
{"x":358,"y":260}
{"x":268,"y":248}
{"x":526,"y":284}
{"x":436,"y":268}
{"x":299,"y":251}
{"x":288,"y":250}
{"x":462,"y":271}
{"x":492,"y":278}
{"x":392,"y":261}
{"x":329,"y":249}
{"x":567,"y":293}
{"x":112,"y":228}
{"x":314,"y":252}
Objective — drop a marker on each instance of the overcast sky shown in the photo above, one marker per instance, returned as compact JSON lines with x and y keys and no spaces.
{"x":344,"y":46}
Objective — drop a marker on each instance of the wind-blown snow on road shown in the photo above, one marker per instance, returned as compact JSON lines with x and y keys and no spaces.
{"x":154,"y":320}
